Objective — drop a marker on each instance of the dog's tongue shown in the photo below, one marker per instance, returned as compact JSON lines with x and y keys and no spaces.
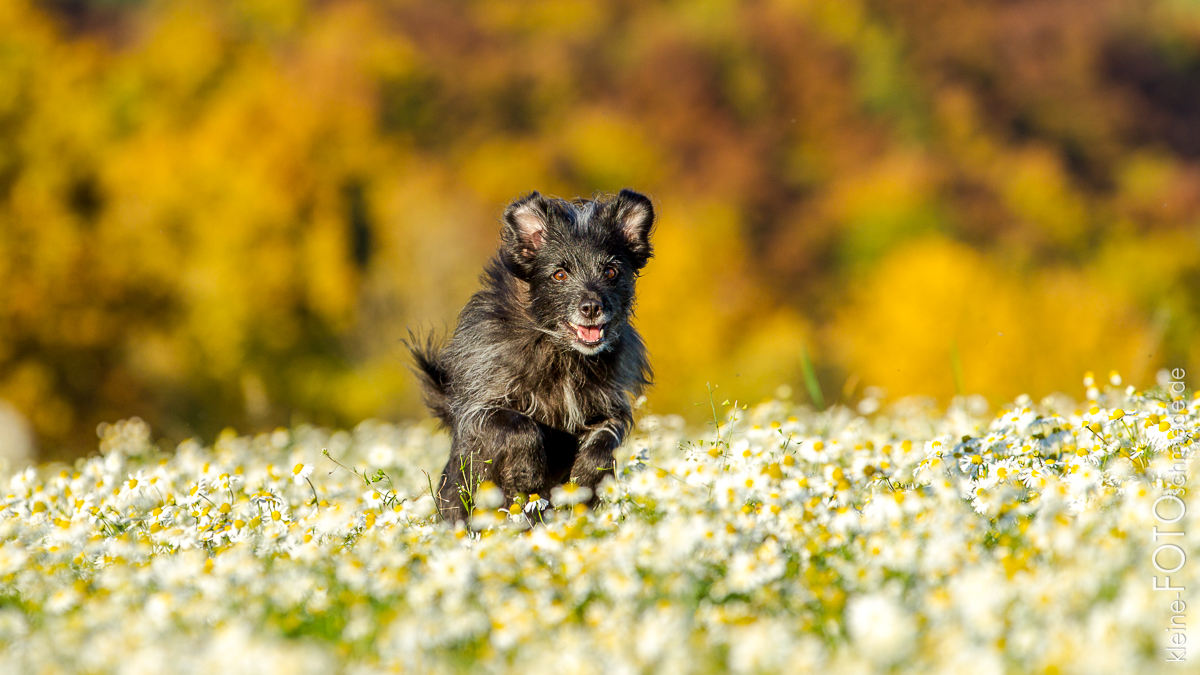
{"x":588,"y":333}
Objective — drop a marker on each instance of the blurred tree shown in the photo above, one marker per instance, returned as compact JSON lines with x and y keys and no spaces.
{"x":228,"y":213}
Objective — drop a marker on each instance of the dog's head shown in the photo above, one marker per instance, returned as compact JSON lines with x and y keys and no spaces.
{"x":580,"y":259}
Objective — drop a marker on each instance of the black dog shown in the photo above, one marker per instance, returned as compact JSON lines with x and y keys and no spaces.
{"x":535,"y":385}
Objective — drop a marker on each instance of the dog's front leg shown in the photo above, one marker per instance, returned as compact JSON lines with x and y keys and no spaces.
{"x":517,"y":444}
{"x":595,"y":459}
{"x":501,"y":446}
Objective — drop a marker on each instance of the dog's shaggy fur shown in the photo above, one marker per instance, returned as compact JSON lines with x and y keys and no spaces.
{"x":536,"y":383}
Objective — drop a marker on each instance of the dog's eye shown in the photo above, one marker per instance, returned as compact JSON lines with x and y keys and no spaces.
{"x":559,"y":275}
{"x":610,"y":273}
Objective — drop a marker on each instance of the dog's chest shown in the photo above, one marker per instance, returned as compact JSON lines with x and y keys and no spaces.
{"x":566,"y":404}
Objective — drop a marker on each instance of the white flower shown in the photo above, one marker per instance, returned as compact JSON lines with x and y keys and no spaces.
{"x":381,"y":454}
{"x":570,"y":493}
{"x":749,"y":554}
{"x":488,"y":496}
{"x":536,"y":503}
{"x":879,"y":627}
{"x":301,"y":472}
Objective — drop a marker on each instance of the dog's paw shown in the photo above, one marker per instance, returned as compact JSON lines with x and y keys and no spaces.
{"x":591,"y":467}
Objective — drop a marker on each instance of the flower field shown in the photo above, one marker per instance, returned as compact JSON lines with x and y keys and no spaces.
{"x":782,"y":539}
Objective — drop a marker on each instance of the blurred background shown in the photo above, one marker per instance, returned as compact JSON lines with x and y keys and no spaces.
{"x":227,"y":213}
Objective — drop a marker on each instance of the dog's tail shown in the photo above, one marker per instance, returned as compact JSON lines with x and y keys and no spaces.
{"x":435,"y":381}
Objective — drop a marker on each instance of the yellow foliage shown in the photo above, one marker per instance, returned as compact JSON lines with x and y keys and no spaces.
{"x":890,"y":202}
{"x":698,"y":310}
{"x":933,"y":303}
{"x":609,"y":152}
{"x":1036,"y":190}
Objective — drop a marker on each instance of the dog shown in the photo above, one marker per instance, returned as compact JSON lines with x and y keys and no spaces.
{"x":536,"y":383}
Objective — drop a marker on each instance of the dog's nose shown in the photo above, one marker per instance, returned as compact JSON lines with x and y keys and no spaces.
{"x":590,"y":309}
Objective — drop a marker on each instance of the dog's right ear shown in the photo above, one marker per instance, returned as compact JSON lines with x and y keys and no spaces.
{"x":525,"y":223}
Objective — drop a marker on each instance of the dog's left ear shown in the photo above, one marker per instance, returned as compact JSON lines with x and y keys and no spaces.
{"x":633,"y":217}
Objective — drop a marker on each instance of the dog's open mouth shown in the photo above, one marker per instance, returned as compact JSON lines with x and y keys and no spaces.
{"x":588,"y":335}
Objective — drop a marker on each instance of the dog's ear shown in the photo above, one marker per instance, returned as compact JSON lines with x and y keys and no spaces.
{"x":633,"y":217}
{"x":525,"y":224}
